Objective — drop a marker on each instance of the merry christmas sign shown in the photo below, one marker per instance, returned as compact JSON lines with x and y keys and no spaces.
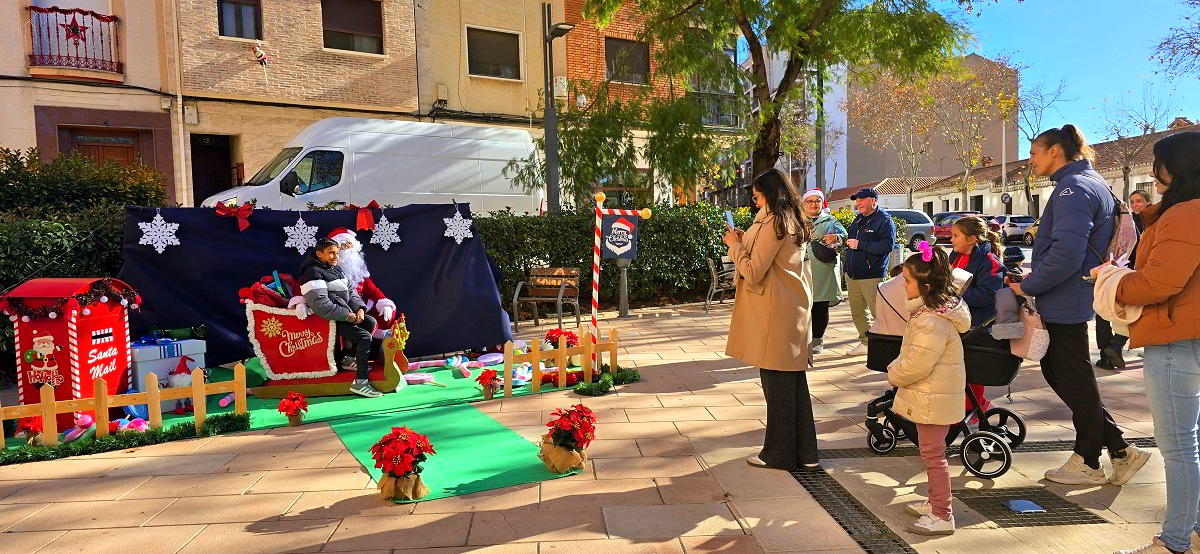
{"x":290,"y":347}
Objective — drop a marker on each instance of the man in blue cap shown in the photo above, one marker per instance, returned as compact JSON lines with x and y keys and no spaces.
{"x":871,"y":238}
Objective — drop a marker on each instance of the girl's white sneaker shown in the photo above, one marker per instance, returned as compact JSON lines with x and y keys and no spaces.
{"x":930,"y":525}
{"x":918,"y":509}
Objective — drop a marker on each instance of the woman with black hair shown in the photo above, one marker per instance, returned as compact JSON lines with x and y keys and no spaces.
{"x":770,"y":327}
{"x":1166,"y":283}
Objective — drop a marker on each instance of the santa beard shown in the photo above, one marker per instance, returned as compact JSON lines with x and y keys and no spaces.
{"x":354,"y":266}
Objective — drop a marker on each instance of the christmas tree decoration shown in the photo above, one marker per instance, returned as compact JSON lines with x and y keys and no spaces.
{"x":159,"y":233}
{"x":385,"y":233}
{"x":458,"y":227}
{"x":400,"y":454}
{"x":301,"y":236}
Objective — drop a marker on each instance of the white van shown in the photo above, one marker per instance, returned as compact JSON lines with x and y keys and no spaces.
{"x":356,"y":160}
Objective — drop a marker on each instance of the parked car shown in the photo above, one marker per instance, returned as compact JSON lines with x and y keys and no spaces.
{"x":918,"y":226}
{"x":1031,"y":232}
{"x":938,"y":217}
{"x":1013,"y":226}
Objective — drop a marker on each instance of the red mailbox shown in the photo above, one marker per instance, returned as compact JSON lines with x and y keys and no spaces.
{"x":70,"y":333}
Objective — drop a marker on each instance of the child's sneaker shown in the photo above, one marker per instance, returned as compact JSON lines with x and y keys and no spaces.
{"x":918,"y":509}
{"x":930,"y":525}
{"x":1075,"y":472}
{"x":363,"y":388}
{"x":1126,"y":466}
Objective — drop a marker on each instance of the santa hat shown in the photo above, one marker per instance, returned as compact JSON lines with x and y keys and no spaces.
{"x":181,"y":368}
{"x":622,"y":222}
{"x":342,"y":234}
{"x":818,"y":194}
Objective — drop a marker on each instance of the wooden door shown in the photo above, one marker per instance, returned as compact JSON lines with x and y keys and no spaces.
{"x":103,"y":145}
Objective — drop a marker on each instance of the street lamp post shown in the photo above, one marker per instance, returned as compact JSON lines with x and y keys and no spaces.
{"x":550,"y":121}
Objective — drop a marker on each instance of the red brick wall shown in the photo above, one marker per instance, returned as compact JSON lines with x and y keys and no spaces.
{"x":585,"y":49}
{"x":300,"y":68}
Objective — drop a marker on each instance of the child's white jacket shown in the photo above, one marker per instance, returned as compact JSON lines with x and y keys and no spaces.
{"x":930,"y":372}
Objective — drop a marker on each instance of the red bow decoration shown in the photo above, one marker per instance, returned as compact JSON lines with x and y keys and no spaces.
{"x":242,"y":214}
{"x":365,"y":220}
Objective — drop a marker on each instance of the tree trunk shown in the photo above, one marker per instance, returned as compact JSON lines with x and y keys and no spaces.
{"x":910,"y":194}
{"x":1029,"y":198}
{"x":766,"y":148}
{"x":1125,"y":171}
{"x":965,"y":190}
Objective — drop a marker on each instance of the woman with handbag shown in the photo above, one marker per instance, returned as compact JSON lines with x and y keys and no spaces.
{"x":770,"y":323}
{"x":827,"y":234}
{"x":1165,"y":282}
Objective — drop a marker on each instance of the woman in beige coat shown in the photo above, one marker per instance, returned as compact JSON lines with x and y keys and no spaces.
{"x":771,"y":319}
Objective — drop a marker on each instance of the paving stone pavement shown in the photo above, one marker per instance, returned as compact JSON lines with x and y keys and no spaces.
{"x":667,"y":473}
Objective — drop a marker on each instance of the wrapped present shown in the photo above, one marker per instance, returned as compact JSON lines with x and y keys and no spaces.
{"x":161,"y":357}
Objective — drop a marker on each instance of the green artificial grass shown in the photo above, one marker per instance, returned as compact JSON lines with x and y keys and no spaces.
{"x":474,"y":452}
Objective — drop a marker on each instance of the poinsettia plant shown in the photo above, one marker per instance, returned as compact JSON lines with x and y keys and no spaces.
{"x":29,"y":425}
{"x":553,"y":335}
{"x":293,"y":404}
{"x":489,"y":379}
{"x":573,"y":428}
{"x":401,"y":452}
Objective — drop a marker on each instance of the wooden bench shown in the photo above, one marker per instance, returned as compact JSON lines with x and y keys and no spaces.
{"x":559,"y":285}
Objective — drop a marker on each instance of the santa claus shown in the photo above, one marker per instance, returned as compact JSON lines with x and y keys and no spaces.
{"x":354,"y":266}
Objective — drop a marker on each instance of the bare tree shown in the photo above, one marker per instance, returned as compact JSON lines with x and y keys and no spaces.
{"x":967,"y":101}
{"x":895,"y":116}
{"x":798,"y":135}
{"x":1127,"y":121}
{"x":1034,"y":102}
{"x":1179,"y":51}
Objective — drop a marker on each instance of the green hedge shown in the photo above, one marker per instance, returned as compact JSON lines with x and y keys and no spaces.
{"x":71,"y":183}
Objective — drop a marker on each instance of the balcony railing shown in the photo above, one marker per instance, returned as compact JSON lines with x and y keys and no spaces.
{"x":74,"y":38}
{"x":719,"y":109}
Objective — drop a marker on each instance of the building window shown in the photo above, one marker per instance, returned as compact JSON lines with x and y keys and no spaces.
{"x":627,"y":61}
{"x":1147,"y":188}
{"x":240,"y":18}
{"x":977,"y":203}
{"x":317,"y":170}
{"x":355,"y":25}
{"x":493,"y":54}
{"x":927,"y":207}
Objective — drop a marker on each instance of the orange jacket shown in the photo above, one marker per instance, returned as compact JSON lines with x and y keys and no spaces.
{"x":1166,"y":280}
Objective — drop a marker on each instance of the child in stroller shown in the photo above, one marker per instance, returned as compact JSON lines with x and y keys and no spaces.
{"x":985,"y":452}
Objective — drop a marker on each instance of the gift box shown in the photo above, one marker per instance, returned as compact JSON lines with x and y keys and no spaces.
{"x":161,"y":356}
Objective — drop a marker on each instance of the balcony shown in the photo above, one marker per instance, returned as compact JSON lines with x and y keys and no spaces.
{"x":74,"y":39}
{"x":719,"y":109}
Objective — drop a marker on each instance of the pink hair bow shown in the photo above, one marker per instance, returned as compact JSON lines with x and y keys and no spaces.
{"x":926,"y":251}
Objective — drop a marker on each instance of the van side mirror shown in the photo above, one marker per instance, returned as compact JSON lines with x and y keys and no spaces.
{"x":290,"y":184}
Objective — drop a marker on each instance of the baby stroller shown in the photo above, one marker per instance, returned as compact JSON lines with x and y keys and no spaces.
{"x":986,"y":452}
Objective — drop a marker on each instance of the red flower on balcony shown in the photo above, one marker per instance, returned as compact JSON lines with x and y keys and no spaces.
{"x":74,"y":30}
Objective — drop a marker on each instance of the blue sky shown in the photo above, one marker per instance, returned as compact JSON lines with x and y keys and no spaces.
{"x":1100,"y":47}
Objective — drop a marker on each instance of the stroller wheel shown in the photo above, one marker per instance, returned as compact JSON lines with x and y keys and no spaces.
{"x":896,"y":430}
{"x":1006,"y":423}
{"x":881,"y":440}
{"x":985,"y":454}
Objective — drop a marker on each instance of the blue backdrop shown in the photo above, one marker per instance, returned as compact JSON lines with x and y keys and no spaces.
{"x":446,"y":290}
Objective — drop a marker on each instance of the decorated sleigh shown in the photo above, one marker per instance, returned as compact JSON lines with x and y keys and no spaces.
{"x":298,"y":354}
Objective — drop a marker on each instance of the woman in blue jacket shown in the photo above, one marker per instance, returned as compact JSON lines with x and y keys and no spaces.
{"x":975,"y":249}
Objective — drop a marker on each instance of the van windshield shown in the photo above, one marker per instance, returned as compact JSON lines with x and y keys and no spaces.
{"x":274,"y":167}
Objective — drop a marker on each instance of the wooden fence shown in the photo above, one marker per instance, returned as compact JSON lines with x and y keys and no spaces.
{"x":101,"y":401}
{"x":560,"y":356}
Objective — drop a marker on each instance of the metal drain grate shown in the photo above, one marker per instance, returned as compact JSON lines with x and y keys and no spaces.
{"x":1059,"y":511}
{"x":1031,"y":446}
{"x":867,"y":530}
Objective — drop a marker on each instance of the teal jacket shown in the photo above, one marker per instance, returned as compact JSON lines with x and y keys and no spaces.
{"x":827,"y":277}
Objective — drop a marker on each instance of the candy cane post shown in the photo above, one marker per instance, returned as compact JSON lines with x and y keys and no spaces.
{"x":601,"y":211}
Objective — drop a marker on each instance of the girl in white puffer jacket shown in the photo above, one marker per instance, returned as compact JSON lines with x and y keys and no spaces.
{"x":931,"y":377}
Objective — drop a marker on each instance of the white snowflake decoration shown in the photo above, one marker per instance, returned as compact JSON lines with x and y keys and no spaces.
{"x":159,"y":233}
{"x":385,"y":233}
{"x":302,"y":236}
{"x":458,"y":227}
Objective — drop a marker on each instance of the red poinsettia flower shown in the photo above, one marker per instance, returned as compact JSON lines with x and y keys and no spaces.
{"x":553,"y":335}
{"x":30,"y":425}
{"x":292,"y":404}
{"x":489,"y":379}
{"x":574,"y":428}
{"x":401,"y":451}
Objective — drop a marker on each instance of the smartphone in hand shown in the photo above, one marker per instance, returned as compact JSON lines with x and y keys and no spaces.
{"x":729,"y":219}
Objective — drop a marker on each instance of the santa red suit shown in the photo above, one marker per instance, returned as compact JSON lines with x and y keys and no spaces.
{"x":354,"y":266}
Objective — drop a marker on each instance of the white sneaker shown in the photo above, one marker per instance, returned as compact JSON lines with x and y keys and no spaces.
{"x":918,"y":509}
{"x":930,"y":525}
{"x":1125,"y":468}
{"x":756,"y":461}
{"x":859,"y":350}
{"x":1075,"y":472}
{"x":1156,"y":546}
